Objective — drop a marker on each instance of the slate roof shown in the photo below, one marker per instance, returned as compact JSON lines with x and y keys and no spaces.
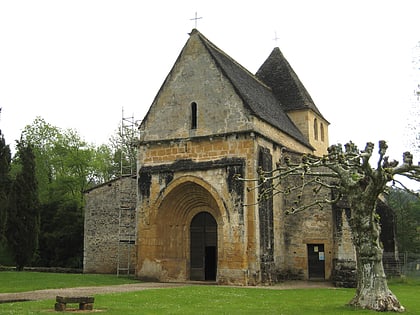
{"x":256,"y":95}
{"x":277,"y":73}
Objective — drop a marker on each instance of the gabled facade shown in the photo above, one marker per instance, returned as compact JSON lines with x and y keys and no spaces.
{"x":185,"y":216}
{"x":211,"y":120}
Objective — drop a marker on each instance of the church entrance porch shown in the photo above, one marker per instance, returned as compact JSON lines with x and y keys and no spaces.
{"x":203,"y":247}
{"x":179,"y":240}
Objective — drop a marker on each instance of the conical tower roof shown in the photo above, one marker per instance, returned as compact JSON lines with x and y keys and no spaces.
{"x":277,"y":73}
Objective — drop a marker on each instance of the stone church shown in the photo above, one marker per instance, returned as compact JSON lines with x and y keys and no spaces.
{"x":193,"y":220}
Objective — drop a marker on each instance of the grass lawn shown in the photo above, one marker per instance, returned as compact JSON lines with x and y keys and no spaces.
{"x":12,"y":281}
{"x":225,"y":300}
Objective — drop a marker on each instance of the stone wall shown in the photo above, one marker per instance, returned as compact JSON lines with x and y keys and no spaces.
{"x":265,"y":218}
{"x":314,"y":127}
{"x":309,"y":227}
{"x":179,"y":179}
{"x":256,"y":242}
{"x":295,"y":232}
{"x":101,"y":229}
{"x":344,"y":271}
{"x":195,"y":78}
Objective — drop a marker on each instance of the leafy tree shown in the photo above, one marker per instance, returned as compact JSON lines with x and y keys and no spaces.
{"x":407,"y":211}
{"x":23,"y":210}
{"x":63,"y":161}
{"x":66,"y":167}
{"x":61,"y":243}
{"x":71,"y":168}
{"x":123,"y":146}
{"x":349,"y":174}
{"x":105,"y":168}
{"x":64,"y":170}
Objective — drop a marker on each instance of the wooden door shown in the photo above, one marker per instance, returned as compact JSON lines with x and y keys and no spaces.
{"x":316,"y":261}
{"x":203,"y":247}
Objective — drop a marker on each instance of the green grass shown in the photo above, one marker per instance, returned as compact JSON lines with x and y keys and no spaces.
{"x":208,"y":300}
{"x":222,"y":300}
{"x":12,"y":281}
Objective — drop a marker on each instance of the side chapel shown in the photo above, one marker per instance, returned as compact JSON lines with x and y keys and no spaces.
{"x":210,"y":120}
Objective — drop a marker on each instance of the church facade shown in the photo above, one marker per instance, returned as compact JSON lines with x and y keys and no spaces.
{"x":210,"y":122}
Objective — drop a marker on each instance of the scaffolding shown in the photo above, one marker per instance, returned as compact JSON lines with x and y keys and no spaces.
{"x":127,"y":145}
{"x":127,"y":203}
{"x":126,"y":232}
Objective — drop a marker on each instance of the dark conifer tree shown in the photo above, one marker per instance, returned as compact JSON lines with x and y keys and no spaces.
{"x":23,"y":215}
{"x":5,"y":159}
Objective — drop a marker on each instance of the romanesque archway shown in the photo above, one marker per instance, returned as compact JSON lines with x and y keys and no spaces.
{"x":184,"y":205}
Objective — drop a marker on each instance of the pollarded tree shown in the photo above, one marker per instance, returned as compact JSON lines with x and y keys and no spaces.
{"x":352,"y":178}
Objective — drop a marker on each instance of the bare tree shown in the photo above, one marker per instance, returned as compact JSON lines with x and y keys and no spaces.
{"x":351,"y":177}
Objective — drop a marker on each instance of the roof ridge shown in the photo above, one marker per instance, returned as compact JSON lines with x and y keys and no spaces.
{"x":252,"y":75}
{"x":256,"y":95}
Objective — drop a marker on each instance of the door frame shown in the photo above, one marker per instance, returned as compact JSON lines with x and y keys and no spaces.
{"x":316,"y":260}
{"x":208,"y":251}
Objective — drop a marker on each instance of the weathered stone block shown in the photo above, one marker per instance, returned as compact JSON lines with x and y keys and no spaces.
{"x":344,"y":274}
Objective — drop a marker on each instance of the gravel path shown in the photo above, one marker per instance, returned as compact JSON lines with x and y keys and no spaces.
{"x":83,"y":291}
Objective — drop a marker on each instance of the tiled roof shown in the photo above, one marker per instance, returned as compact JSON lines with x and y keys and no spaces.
{"x":277,"y":73}
{"x":256,"y":95}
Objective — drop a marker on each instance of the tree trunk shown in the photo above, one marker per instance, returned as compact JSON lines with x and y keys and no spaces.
{"x":372,"y":288}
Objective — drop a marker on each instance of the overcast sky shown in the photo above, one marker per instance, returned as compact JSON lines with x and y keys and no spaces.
{"x":78,"y":63}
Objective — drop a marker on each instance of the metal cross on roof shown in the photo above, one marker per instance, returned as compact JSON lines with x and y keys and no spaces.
{"x":275,"y":37}
{"x":195,"y":19}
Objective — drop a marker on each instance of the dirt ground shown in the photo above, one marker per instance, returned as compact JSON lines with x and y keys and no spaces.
{"x":87,"y":291}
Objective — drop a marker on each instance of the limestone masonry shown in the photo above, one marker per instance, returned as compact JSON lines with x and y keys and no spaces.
{"x":210,"y":121}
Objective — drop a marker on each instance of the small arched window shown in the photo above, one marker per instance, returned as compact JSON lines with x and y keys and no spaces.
{"x":193,"y":115}
{"x":316,"y":129}
{"x":322,"y":132}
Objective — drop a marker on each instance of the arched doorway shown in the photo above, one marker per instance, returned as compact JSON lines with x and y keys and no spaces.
{"x":203,"y":247}
{"x":165,"y":238}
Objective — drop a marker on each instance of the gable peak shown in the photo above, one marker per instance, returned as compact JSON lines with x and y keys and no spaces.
{"x":193,"y":32}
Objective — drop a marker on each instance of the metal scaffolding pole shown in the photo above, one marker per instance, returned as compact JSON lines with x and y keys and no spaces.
{"x":127,"y":207}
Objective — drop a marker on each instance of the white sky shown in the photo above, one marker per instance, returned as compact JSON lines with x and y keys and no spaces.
{"x":77,"y":63}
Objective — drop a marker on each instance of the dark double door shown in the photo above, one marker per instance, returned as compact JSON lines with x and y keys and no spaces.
{"x":203,"y":247}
